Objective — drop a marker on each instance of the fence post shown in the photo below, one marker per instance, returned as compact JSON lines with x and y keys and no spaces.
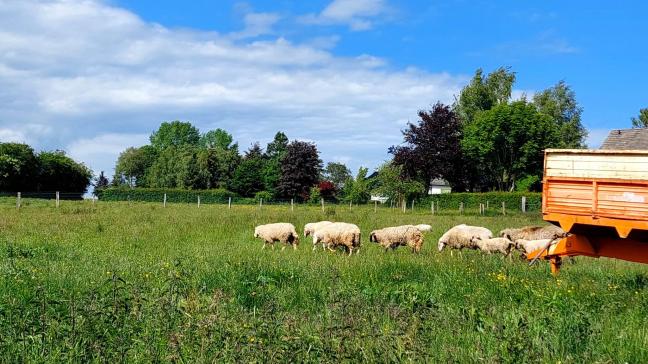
{"x":438,"y":208}
{"x":18,"y":201}
{"x":523,"y":204}
{"x":164,"y":202}
{"x":322,"y":201}
{"x":461,"y":208}
{"x":412,"y":205}
{"x":375,"y":206}
{"x":404,"y":203}
{"x":432,"y":207}
{"x":487,"y":204}
{"x":292,"y":204}
{"x":229,"y":203}
{"x":503,"y":208}
{"x":260,"y":203}
{"x":94,"y":200}
{"x":58,"y":201}
{"x":350,"y":205}
{"x":198,"y":201}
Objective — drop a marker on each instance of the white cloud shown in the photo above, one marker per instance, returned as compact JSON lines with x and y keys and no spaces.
{"x":357,"y":14}
{"x":257,"y":24}
{"x":94,"y":78}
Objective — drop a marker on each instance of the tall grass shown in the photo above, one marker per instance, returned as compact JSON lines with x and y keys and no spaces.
{"x":139,"y":283}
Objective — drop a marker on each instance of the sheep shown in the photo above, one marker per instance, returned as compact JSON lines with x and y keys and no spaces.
{"x":393,"y":237}
{"x":529,"y":246}
{"x":502,"y":245}
{"x":460,"y":236}
{"x":339,"y":234}
{"x":533,"y":233}
{"x":311,"y":228}
{"x":281,"y":232}
{"x":424,"y":227}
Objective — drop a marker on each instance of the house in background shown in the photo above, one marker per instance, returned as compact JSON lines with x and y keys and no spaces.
{"x":439,"y":186}
{"x":627,"y":139}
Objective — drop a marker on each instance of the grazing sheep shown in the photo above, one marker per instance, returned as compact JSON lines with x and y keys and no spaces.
{"x":339,"y":234}
{"x":533,"y":233}
{"x":424,"y":227}
{"x":282,"y":232}
{"x":311,"y":228}
{"x":460,"y":236}
{"x":393,"y":237}
{"x":529,"y":246}
{"x":494,"y":245}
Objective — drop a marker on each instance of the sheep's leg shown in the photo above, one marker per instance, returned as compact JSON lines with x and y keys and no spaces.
{"x":451,"y":253}
{"x":264,"y":246}
{"x":283,"y":248}
{"x":350,"y":251}
{"x":357,"y":251}
{"x":314,"y":247}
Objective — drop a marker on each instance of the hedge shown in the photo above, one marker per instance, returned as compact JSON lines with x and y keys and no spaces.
{"x":513,"y":200}
{"x":173,"y":195}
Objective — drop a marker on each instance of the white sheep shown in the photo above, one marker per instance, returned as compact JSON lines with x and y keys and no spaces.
{"x":529,"y":246}
{"x":533,"y":233}
{"x":282,"y":232}
{"x":311,"y":228}
{"x":395,"y":236}
{"x":339,"y":234}
{"x":424,"y":227}
{"x":460,"y":236}
{"x":494,"y":245}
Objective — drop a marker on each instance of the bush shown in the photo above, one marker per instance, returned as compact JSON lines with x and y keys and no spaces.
{"x":494,"y":199}
{"x":265,"y":195}
{"x":157,"y":195}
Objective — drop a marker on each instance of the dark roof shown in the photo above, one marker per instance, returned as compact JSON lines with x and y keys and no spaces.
{"x":627,"y":139}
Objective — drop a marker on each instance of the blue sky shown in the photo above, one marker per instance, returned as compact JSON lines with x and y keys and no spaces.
{"x":94,"y":77}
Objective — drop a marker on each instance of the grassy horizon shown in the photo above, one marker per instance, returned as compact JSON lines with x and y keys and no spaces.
{"x":138,"y":282}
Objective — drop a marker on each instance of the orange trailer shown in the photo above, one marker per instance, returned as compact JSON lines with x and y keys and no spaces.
{"x":601,"y":198}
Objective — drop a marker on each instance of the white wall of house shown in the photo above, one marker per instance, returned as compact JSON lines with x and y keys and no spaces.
{"x":437,"y":190}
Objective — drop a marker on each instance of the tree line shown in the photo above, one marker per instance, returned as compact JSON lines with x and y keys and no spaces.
{"x":23,"y":170}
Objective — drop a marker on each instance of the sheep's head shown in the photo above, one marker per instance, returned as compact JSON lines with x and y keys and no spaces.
{"x":372,"y":237}
{"x":441,"y":245}
{"x":256,"y":233}
{"x":519,"y":244}
{"x":307,"y":230}
{"x":474,"y":239}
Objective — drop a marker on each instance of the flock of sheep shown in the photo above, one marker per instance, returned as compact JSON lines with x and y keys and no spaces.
{"x":332,"y":235}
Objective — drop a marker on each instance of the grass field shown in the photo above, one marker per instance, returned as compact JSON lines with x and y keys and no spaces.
{"x":140,"y":283}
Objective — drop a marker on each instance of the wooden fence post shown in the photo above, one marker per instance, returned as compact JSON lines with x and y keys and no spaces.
{"x":94,"y":200}
{"x":375,"y":206}
{"x":432,"y":207}
{"x":412,"y":205}
{"x":260,"y":203}
{"x":322,"y":202}
{"x":164,"y":202}
{"x":350,"y":205}
{"x":198,"y":201}
{"x":292,"y":204}
{"x":58,"y":201}
{"x":18,"y":201}
{"x":438,"y":208}
{"x":487,"y":204}
{"x":503,"y":208}
{"x":229,"y":203}
{"x":404,"y":203}
{"x":461,"y":208}
{"x":523,"y":204}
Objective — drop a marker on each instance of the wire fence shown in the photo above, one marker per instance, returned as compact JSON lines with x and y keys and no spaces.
{"x":472,"y":206}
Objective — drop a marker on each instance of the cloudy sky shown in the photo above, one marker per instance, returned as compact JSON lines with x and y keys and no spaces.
{"x":93,"y":77}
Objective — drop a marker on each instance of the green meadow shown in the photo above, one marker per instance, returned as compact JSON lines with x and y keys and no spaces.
{"x":138,"y":282}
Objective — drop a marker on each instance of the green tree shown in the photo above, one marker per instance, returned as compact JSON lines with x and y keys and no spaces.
{"x":300,"y":170}
{"x":133,"y":164}
{"x":483,"y":93}
{"x":59,"y":172}
{"x":357,"y":189}
{"x":337,"y":173}
{"x":390,"y":183}
{"x":248,"y":176}
{"x":642,"y":120}
{"x":559,"y":102}
{"x":18,"y":167}
{"x":176,"y":134}
{"x":275,"y":151}
{"x":101,"y":182}
{"x":508,"y":141}
{"x":219,"y":139}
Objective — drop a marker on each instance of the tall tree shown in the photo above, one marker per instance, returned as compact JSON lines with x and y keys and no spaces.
{"x":432,"y":148}
{"x":18,"y":167}
{"x":642,"y":120}
{"x":300,"y":170}
{"x":248,"y":176}
{"x":219,"y":139}
{"x":175,"y":133}
{"x":133,"y":164}
{"x":559,"y":102}
{"x":483,"y":93}
{"x":275,"y":151}
{"x":357,"y":189}
{"x":508,"y":140}
{"x":100,"y":182}
{"x":337,"y":173}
